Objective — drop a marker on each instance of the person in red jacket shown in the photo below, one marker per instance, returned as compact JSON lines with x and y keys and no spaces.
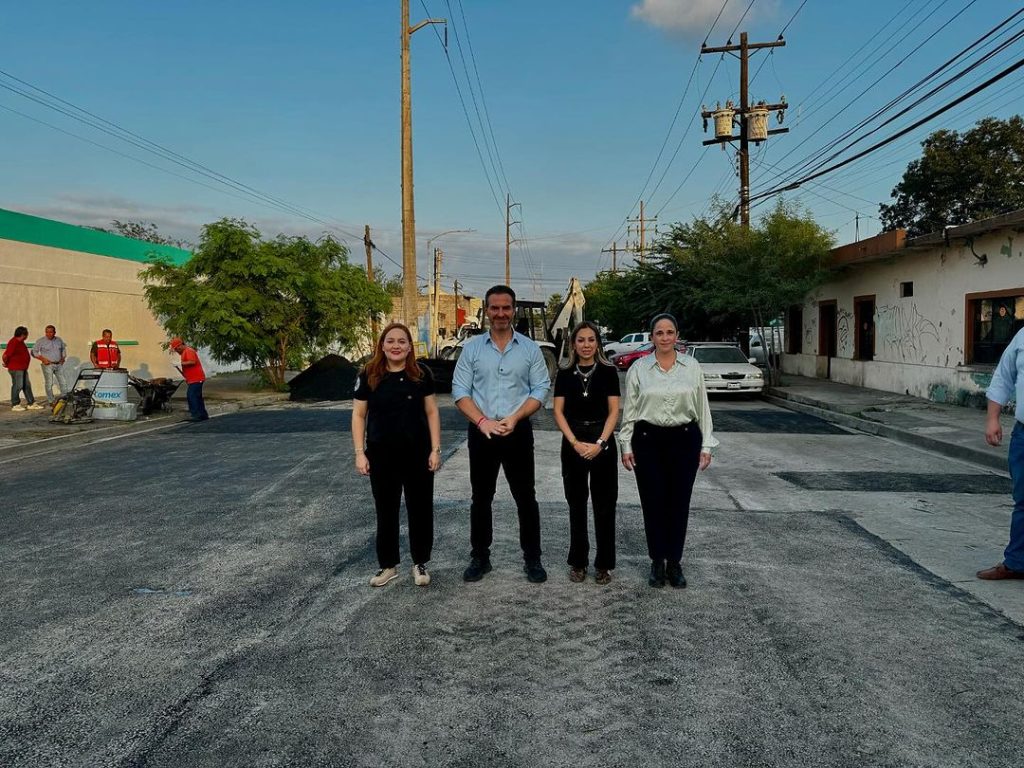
{"x":194,"y":375}
{"x":105,"y":353}
{"x":16,"y":359}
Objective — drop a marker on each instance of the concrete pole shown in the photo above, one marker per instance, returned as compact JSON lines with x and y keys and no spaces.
{"x":408,"y":212}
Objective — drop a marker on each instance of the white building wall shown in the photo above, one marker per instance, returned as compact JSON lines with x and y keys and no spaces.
{"x":919,"y":340}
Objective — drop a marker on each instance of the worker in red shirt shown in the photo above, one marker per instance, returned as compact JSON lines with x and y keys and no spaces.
{"x":192,"y":370}
{"x":105,"y":353}
{"x":16,"y":359}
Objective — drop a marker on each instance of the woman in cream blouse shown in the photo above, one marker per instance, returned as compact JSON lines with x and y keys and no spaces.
{"x":666,"y":436}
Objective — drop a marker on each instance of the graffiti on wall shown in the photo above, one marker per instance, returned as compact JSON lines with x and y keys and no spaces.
{"x":844,"y":322}
{"x":905,"y":330}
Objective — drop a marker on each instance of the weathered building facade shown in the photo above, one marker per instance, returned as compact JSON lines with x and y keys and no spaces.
{"x":927,"y":316}
{"x":81,"y":281}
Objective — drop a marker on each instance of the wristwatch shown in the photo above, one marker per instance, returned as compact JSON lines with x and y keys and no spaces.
{"x":601,"y":442}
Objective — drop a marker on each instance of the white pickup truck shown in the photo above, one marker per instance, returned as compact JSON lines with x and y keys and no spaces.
{"x":627,"y":343}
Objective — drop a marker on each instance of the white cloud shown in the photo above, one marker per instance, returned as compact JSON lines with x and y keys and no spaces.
{"x":693,"y":18}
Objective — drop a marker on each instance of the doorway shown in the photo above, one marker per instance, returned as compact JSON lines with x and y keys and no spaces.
{"x":828,"y":339}
{"x":864,"y":317}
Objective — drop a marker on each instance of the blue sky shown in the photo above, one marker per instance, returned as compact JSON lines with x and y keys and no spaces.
{"x":301,"y":101}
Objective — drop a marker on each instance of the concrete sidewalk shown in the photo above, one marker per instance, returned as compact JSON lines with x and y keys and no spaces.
{"x":951,"y":430}
{"x":27,"y":433}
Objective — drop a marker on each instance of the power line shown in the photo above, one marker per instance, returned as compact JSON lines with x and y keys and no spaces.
{"x":917,"y":124}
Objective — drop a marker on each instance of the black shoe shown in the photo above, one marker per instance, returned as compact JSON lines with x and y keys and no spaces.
{"x":675,"y":575}
{"x":535,"y":572}
{"x":657,"y":577}
{"x":476,"y":569}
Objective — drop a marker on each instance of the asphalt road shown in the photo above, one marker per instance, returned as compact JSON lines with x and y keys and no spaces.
{"x":197,"y":597}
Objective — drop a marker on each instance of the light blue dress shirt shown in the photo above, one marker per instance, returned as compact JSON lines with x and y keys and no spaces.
{"x":500,"y":382}
{"x":1008,"y":379}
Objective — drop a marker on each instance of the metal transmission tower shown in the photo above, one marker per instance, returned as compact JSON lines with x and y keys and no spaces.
{"x":409,"y":292}
{"x":753,"y":120}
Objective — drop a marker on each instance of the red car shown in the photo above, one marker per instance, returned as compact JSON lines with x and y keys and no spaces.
{"x":623,"y":361}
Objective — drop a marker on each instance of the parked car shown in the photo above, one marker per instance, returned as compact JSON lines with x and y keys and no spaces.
{"x":726,"y":369}
{"x":757,"y":346}
{"x":628,"y":343}
{"x":626,"y":359}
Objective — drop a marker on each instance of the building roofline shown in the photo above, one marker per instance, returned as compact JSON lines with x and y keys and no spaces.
{"x":23,"y":228}
{"x":895,"y":242}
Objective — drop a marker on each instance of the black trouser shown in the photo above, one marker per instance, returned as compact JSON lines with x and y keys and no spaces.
{"x":514,"y":454}
{"x":394,"y":468}
{"x":597,"y":479}
{"x":666,"y":466}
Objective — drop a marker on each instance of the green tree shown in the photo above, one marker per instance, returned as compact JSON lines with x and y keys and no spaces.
{"x":553,"y":305}
{"x":265,"y":302}
{"x":607,"y":297}
{"x":143,"y":230}
{"x":756,"y":273}
{"x":961,"y":178}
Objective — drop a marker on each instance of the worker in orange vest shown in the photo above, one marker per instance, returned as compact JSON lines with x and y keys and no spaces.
{"x":105,"y":353}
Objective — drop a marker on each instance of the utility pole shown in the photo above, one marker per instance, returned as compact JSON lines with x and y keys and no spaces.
{"x":509,"y":205}
{"x":614,"y":251}
{"x":409,"y":292}
{"x":455,"y":286}
{"x":640,"y":246}
{"x":753,"y":120}
{"x":438,"y":253}
{"x":370,"y":276}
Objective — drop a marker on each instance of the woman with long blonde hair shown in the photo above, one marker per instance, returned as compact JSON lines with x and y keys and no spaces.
{"x":396,"y":433}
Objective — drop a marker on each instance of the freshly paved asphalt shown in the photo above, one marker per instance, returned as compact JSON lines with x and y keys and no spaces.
{"x":197,"y":596}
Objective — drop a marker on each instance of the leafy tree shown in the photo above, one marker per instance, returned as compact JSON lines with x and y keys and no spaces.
{"x":392,"y":284}
{"x":607,"y":297}
{"x":961,"y":178}
{"x":756,"y":273}
{"x":266,"y":302}
{"x":146,"y":231}
{"x":553,"y":305}
{"x":716,"y":276}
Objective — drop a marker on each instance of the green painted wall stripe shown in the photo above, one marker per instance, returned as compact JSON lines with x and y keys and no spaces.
{"x":31,"y":229}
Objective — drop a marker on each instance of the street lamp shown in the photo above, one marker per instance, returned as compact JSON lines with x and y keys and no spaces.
{"x":437,"y":281}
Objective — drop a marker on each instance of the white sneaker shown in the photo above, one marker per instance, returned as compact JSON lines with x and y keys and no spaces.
{"x":34,"y":407}
{"x":384,"y":575}
{"x":18,"y":407}
{"x":420,"y":575}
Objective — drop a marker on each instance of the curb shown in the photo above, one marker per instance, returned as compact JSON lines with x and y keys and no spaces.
{"x":884,"y":430}
{"x":43,"y":445}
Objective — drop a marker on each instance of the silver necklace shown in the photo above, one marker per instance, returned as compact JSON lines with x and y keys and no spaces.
{"x":585,"y":378}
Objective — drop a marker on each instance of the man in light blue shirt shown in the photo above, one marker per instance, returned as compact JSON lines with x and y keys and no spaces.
{"x":1008,"y":384}
{"x":51,"y":352}
{"x":500,"y":380}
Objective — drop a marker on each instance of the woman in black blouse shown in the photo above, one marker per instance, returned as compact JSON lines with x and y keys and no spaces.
{"x":396,"y":431}
{"x":586,"y":411}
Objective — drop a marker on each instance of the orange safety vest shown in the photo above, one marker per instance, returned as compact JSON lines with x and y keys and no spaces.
{"x":108,"y":354}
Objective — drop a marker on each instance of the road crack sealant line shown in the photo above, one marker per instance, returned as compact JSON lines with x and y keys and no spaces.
{"x":914,"y":440}
{"x":899,"y":557}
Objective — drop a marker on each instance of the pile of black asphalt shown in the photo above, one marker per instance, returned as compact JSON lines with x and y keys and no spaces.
{"x":330,"y":378}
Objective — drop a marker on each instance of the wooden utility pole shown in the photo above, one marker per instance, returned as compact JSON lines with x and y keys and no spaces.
{"x":370,"y":276}
{"x":743,"y":113}
{"x":509,"y":205}
{"x":409,"y":292}
{"x":455,"y":286}
{"x":614,"y":251}
{"x":438,"y":254}
{"x":640,"y":246}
